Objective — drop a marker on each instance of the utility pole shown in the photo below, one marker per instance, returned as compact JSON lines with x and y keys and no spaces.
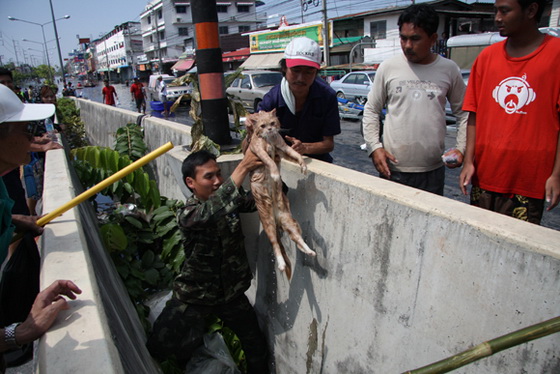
{"x":15,"y":52}
{"x":57,"y":45}
{"x":154,"y":19}
{"x":326,"y":42}
{"x":213,"y":100}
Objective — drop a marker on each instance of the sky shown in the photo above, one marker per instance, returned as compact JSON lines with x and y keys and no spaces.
{"x":94,"y":18}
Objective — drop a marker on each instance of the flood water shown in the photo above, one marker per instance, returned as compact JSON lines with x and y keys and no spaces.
{"x":181,"y":115}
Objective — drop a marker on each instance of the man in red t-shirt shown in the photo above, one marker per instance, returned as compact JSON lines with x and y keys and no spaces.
{"x":137,"y":92}
{"x":109,"y":94}
{"x":513,"y":97}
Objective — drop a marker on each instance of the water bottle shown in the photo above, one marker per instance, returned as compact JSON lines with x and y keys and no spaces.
{"x":49,"y":126}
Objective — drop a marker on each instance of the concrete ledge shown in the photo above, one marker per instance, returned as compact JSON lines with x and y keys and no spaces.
{"x":100,"y":333}
{"x":78,"y":341}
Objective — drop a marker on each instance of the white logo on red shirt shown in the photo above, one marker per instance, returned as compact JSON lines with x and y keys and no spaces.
{"x":514,"y":93}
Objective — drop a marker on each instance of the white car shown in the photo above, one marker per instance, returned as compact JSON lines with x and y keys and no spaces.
{"x":354,"y":86}
{"x":173,"y":92}
{"x":250,"y":88}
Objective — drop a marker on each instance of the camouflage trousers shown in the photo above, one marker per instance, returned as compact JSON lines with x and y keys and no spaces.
{"x":516,"y":206}
{"x":179,"y":329}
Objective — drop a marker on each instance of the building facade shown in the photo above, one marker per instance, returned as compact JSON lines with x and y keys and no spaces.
{"x":117,"y":53}
{"x":168,"y":31}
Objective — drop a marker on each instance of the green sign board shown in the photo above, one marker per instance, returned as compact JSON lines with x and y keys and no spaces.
{"x":276,"y":41}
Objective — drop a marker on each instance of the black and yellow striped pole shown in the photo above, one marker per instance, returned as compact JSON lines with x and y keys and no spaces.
{"x":213,"y":99}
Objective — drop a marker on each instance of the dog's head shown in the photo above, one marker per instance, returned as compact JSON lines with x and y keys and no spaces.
{"x":262,"y":124}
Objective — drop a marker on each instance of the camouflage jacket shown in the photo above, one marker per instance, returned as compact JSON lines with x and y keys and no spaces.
{"x":216,"y":269}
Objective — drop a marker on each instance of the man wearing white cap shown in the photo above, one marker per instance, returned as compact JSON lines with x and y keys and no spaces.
{"x":17,"y":126}
{"x":305,"y":104}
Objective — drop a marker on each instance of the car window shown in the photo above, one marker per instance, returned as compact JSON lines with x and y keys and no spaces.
{"x":362,"y":79}
{"x":246,"y":82}
{"x":371,"y":76}
{"x":351,"y":79}
{"x":263,"y":80}
{"x":235,"y":83}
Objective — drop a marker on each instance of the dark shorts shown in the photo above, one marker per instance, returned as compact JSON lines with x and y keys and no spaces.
{"x":432,"y":181}
{"x":516,"y":206}
{"x":180,"y":327}
{"x":140,"y":102}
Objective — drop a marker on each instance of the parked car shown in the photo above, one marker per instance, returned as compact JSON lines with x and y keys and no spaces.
{"x":250,"y":88}
{"x":354,"y":86}
{"x":173,"y":92}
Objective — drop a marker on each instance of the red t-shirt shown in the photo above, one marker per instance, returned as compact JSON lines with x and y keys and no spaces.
{"x":517,"y":103}
{"x":136,"y":89}
{"x":109,"y":92}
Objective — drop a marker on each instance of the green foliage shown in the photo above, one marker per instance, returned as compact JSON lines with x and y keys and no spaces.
{"x":142,"y":238}
{"x":130,"y":142}
{"x":95,"y":164}
{"x":44,"y":71}
{"x":74,"y":129}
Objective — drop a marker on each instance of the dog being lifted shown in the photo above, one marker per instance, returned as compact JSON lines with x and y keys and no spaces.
{"x":273,"y":206}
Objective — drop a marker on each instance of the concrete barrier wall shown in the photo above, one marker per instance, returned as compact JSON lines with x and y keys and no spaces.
{"x":103,"y":121}
{"x":402,"y":278}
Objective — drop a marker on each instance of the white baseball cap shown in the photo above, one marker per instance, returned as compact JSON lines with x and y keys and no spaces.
{"x":303,"y":52}
{"x":13,"y":110}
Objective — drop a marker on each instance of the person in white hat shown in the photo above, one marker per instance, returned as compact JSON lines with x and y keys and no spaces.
{"x":305,"y":104}
{"x":17,"y":127}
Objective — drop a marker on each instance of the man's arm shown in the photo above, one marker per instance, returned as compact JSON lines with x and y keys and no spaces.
{"x":324,"y":146}
{"x":372,"y":125}
{"x":250,"y":162}
{"x":468,"y":166}
{"x":552,"y":185}
{"x":455,"y":97}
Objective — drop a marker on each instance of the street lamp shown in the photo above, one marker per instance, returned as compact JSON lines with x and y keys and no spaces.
{"x":43,"y":31}
{"x":45,"y":54}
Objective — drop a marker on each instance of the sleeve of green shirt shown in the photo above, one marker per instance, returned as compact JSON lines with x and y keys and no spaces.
{"x":226,"y":199}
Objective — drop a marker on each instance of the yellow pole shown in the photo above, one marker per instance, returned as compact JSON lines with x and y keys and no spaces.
{"x":105,"y":183}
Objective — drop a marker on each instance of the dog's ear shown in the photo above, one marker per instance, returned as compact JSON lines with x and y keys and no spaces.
{"x":273,"y":112}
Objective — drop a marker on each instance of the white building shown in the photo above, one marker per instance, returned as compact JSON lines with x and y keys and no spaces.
{"x":168,"y":31}
{"x":117,"y":52}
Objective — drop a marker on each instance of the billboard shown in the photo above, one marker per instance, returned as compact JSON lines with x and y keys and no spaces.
{"x":276,"y":41}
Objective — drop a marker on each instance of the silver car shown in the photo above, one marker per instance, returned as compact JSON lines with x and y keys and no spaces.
{"x":250,"y":88}
{"x":354,"y":86}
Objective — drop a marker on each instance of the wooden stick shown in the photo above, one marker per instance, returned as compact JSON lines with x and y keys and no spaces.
{"x":490,"y":347}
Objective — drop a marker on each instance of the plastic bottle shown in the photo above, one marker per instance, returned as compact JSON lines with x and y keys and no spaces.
{"x":49,"y":126}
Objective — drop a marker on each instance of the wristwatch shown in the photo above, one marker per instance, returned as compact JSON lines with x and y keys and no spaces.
{"x":10,"y":336}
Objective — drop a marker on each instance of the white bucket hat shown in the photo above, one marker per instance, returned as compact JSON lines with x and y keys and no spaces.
{"x":13,"y":110}
{"x":303,"y":51}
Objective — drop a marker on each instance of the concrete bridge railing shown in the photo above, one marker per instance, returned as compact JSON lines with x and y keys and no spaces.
{"x":402,"y":278}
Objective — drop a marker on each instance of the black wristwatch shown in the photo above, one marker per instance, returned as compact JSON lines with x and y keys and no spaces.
{"x":10,"y":336}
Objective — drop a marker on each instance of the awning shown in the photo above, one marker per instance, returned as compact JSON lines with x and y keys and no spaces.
{"x":263,"y":61}
{"x":183,"y":65}
{"x":240,"y":54}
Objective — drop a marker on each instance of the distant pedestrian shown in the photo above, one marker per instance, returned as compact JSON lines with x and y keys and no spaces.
{"x":109,"y":94}
{"x":162,"y":89}
{"x":137,"y":92}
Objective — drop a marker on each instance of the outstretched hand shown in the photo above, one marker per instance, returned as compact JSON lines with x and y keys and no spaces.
{"x":45,"y":309}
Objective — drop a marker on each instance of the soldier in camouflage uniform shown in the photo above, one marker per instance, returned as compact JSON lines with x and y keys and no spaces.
{"x":216,"y":272}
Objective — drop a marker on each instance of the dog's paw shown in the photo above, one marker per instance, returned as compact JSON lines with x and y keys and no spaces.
{"x":303,"y":167}
{"x":281,"y":263}
{"x":275,"y":177}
